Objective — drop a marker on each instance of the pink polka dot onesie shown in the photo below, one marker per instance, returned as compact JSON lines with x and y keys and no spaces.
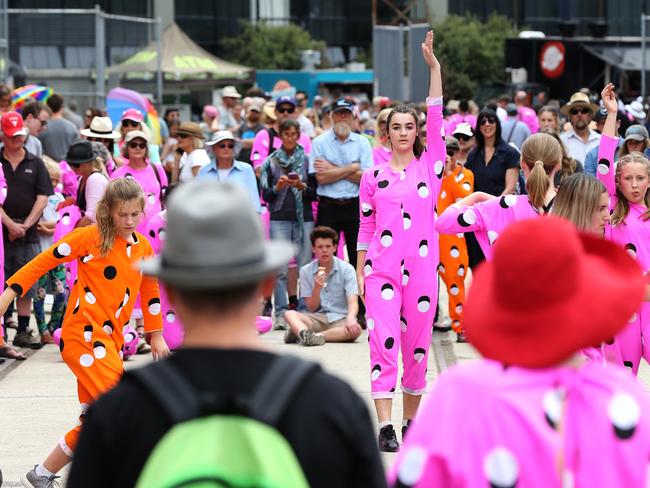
{"x":397,"y":211}
{"x":580,"y":427}
{"x":486,"y":219}
{"x":634,"y":234}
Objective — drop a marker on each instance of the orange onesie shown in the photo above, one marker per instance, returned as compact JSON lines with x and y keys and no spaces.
{"x":453,"y":250}
{"x":100,"y":304}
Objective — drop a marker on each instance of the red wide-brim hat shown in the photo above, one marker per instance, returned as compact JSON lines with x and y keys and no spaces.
{"x":548,"y":292}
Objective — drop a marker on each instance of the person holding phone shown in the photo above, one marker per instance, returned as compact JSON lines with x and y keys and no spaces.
{"x":289,"y":192}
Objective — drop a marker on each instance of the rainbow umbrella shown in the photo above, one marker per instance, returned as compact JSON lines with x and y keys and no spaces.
{"x":25,"y":93}
{"x":120,"y":99}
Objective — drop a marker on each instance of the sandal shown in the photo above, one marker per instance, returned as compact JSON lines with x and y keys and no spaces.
{"x":11,"y":353}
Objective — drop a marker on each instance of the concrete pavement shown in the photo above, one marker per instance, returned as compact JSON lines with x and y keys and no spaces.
{"x":38,"y":396}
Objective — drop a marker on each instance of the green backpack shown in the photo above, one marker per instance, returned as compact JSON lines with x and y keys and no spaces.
{"x":218,"y":441}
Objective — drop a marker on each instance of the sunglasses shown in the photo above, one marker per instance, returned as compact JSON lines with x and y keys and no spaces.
{"x":286,"y":110}
{"x":130,"y":123}
{"x":182,"y":136}
{"x":226,"y":146}
{"x":488,"y":120}
{"x":462,"y":137}
{"x":135,"y":145}
{"x":577,"y":111}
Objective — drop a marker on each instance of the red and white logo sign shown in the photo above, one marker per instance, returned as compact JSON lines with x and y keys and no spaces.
{"x":552,"y":59}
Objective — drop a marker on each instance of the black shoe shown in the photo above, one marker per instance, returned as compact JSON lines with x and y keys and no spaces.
{"x":388,"y":439}
{"x":460,"y":338}
{"x":26,"y":339}
{"x":405,"y":428}
{"x":268,"y":309}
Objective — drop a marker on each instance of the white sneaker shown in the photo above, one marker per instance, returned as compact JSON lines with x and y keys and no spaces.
{"x":32,"y":480}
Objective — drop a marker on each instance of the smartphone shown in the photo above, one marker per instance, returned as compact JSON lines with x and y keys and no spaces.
{"x":293,"y":176}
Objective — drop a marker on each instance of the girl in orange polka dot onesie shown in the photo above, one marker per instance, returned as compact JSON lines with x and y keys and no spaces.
{"x":457,"y":183}
{"x":100,"y":303}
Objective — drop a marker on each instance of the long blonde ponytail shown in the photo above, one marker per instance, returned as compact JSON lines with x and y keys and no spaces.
{"x":117,"y":192}
{"x":542,"y":154}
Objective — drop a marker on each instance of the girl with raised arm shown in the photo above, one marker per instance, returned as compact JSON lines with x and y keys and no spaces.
{"x":398,"y":255}
{"x":627,"y":184}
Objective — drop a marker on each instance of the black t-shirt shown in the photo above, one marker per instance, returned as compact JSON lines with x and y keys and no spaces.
{"x":23,"y":186}
{"x":246,"y":132}
{"x":491,"y":178}
{"x":327,"y":424}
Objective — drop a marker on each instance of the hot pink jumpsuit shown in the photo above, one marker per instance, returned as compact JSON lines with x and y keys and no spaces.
{"x":634,"y":235}
{"x":397,"y":212}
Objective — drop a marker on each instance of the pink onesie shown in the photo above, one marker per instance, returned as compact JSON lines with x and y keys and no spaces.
{"x":3,"y":195}
{"x":534,"y":428}
{"x":486,"y":219}
{"x":634,"y":235}
{"x":172,"y":327}
{"x":397,"y":211}
{"x":261,"y":150}
{"x":381,"y":155}
{"x":149,"y":183}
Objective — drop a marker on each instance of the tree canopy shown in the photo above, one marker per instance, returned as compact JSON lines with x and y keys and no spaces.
{"x":264,"y":46}
{"x":471,"y":52}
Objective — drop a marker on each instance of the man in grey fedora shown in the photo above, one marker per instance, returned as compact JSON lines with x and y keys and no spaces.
{"x":216,"y":267}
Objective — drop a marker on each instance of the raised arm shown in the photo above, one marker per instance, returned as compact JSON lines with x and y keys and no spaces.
{"x":608,"y":142}
{"x":436,"y":151}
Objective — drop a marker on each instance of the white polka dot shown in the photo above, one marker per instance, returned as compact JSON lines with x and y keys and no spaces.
{"x":424,"y":251}
{"x":469,"y":216}
{"x":459,"y":177}
{"x":402,"y":324}
{"x":441,"y":269}
{"x":64,"y":249}
{"x":633,"y":318}
{"x":386,"y":240}
{"x":108,"y":329}
{"x":460,"y":235}
{"x":405,"y":279}
{"x":126,"y":299}
{"x":407,"y":223}
{"x":85,"y":259}
{"x":510,"y":200}
{"x":461,"y":271}
{"x":412,"y":466}
{"x":100,"y":352}
{"x":129,"y":337}
{"x":443,"y":194}
{"x":128,"y":250}
{"x":492,"y":236}
{"x":553,"y":402}
{"x":424,"y":306}
{"x":367,"y":270}
{"x":438,"y":166}
{"x":154,"y":308}
{"x":374,"y":376}
{"x":603,"y":169}
{"x":170,"y":317}
{"x":402,"y":175}
{"x":152,"y":199}
{"x":418,"y":356}
{"x":90,"y":298}
{"x":161,"y":234}
{"x":624,"y":411}
{"x":423,"y":191}
{"x":366,"y":207}
{"x":467,"y":186}
{"x":86,"y":360}
{"x":370,"y":324}
{"x":459,"y":308}
{"x":454,"y":253}
{"x":454,"y":290}
{"x":387,"y":293}
{"x":500,"y":467}
{"x":118,"y":312}
{"x":65,"y":220}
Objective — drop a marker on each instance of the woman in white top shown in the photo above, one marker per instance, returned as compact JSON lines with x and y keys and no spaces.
{"x":190,"y":155}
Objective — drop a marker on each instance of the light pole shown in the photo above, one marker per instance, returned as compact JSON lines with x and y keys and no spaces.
{"x":644,"y":19}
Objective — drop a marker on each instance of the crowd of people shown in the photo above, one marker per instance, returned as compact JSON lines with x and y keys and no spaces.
{"x":329,"y":220}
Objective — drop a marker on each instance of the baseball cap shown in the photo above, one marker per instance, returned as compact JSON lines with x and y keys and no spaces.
{"x":511,"y":109}
{"x":636,"y":132}
{"x":134,"y":134}
{"x":600,"y":114}
{"x":342,"y":104}
{"x":132,"y":114}
{"x":254,"y":107}
{"x":12,"y":125}
{"x":285,"y":99}
{"x":221,"y":135}
{"x":210,"y":111}
{"x":464,"y":128}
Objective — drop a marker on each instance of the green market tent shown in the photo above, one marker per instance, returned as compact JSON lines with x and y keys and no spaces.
{"x":182,"y":60}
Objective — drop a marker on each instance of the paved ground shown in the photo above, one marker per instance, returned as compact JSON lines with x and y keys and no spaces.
{"x":38,"y":396}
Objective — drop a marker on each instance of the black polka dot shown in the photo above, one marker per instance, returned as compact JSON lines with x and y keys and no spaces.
{"x":392,"y":390}
{"x":382,"y":184}
{"x":389,"y":343}
{"x":628,"y":364}
{"x":61,"y":345}
{"x":110,"y":272}
{"x":609,"y":341}
{"x":376,"y":173}
{"x":152,"y":233}
{"x":17,"y":288}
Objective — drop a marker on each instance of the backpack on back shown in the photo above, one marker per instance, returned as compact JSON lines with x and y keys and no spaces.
{"x":223,"y":441}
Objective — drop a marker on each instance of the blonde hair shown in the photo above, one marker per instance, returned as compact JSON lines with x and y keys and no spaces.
{"x":569,"y":164}
{"x":622,"y":207}
{"x":117,"y":192}
{"x":52,"y":167}
{"x":542,"y":154}
{"x":578,"y":198}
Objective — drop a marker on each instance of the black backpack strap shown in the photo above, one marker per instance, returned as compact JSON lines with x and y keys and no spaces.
{"x":160,"y":193}
{"x":169,"y":389}
{"x":277,"y":388}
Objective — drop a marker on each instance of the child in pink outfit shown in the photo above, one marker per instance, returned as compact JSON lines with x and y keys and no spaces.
{"x":487,"y":216}
{"x":398,"y":254}
{"x":632,"y":231}
{"x":541,"y":416}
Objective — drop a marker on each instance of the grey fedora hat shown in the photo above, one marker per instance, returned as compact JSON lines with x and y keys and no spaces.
{"x":214,"y":240}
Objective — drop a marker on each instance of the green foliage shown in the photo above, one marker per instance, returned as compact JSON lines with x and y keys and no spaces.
{"x":264,"y":46}
{"x":471,"y":52}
